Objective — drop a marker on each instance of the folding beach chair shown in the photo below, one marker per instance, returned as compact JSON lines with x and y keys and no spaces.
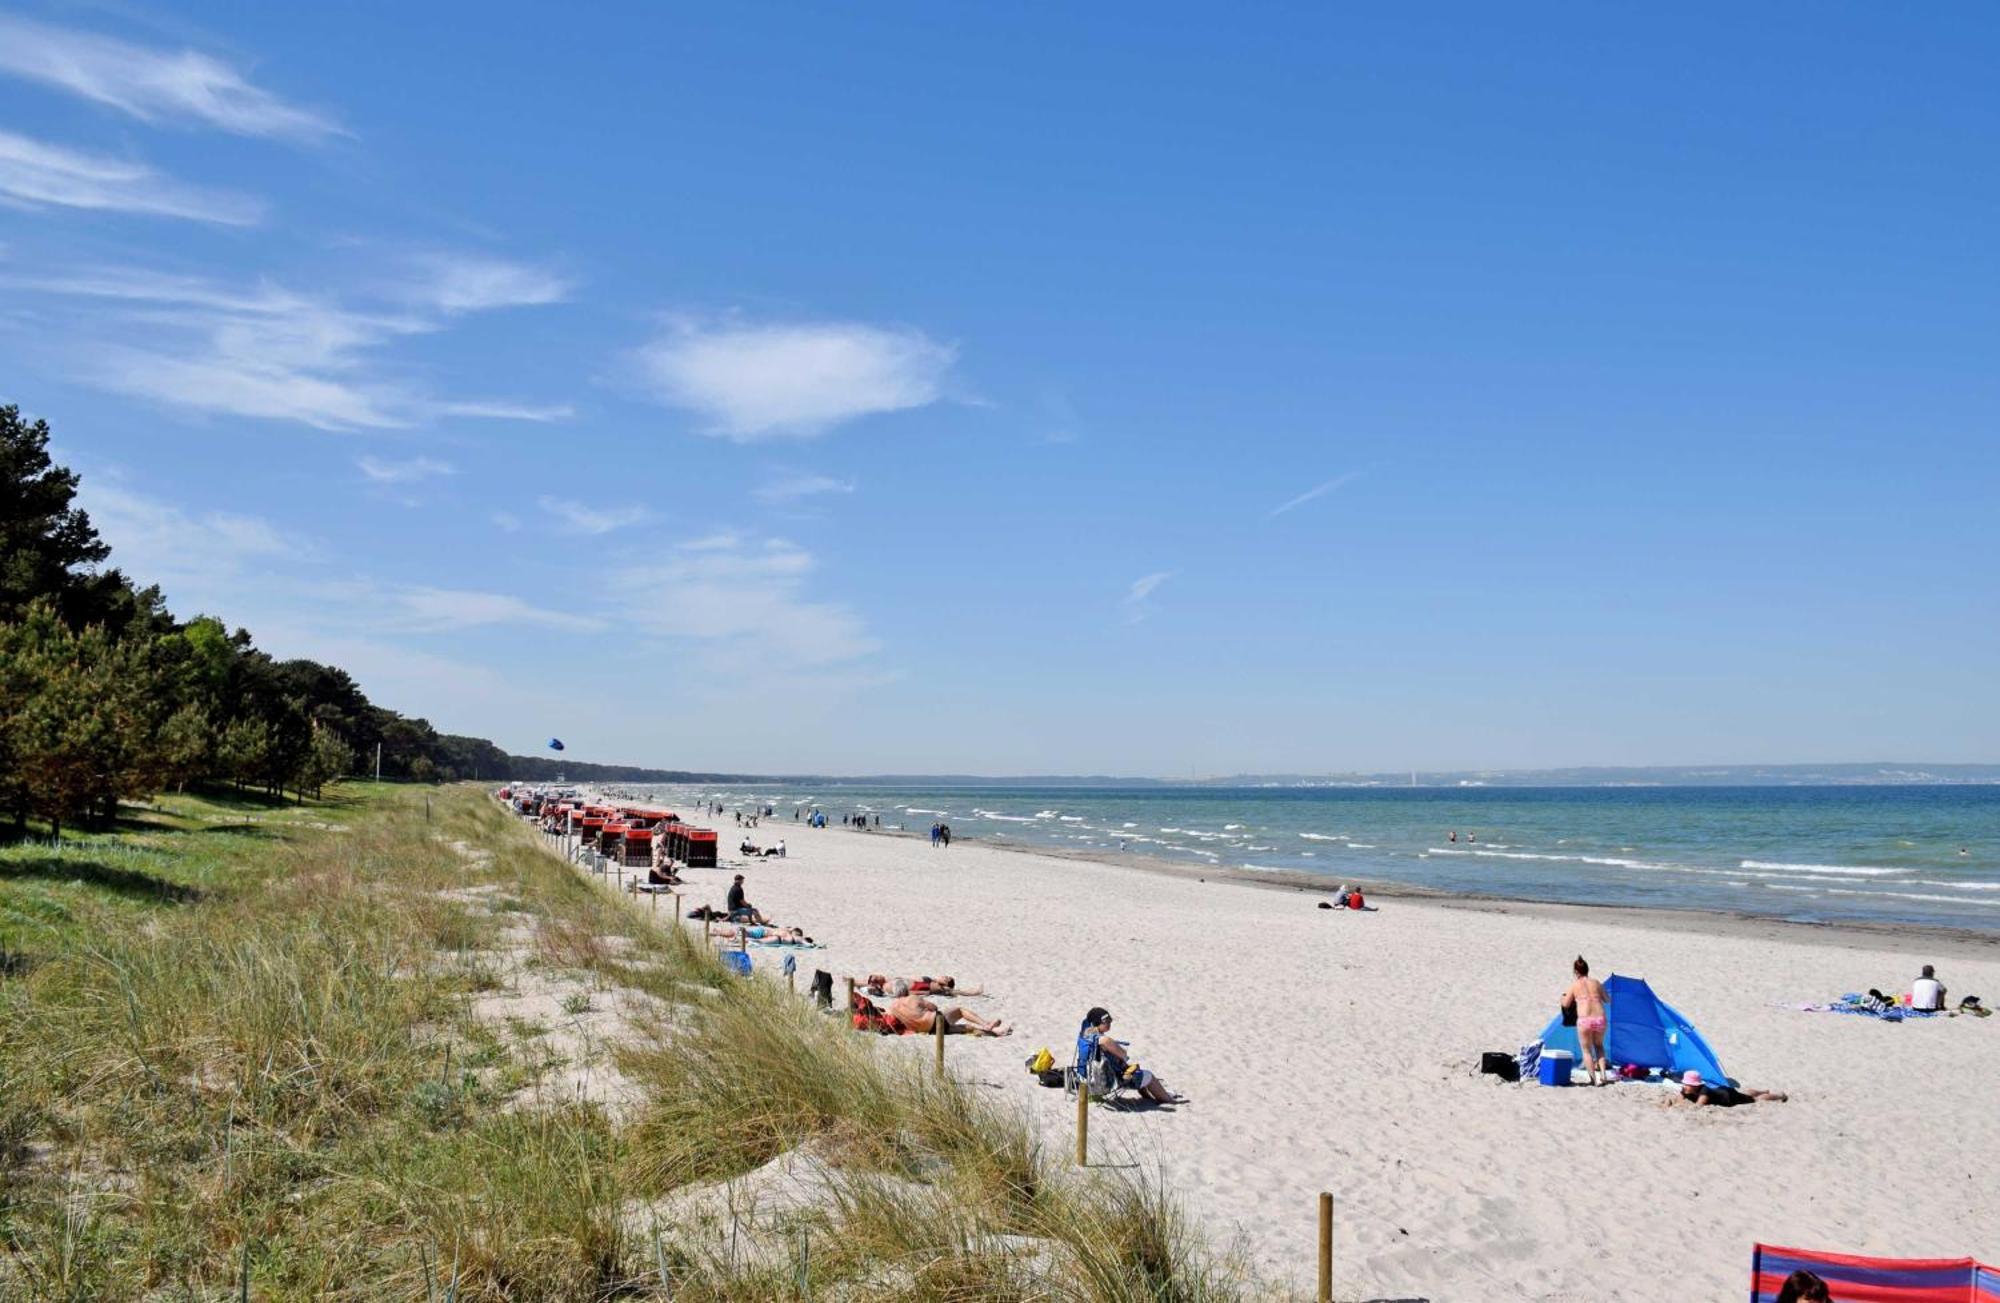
{"x":1096,"y":1073}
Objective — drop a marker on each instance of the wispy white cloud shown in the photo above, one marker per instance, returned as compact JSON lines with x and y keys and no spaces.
{"x":199,"y":559}
{"x":791,"y":379}
{"x":790,"y":488}
{"x":259,"y":351}
{"x":379,"y":471}
{"x":1134,"y":604}
{"x":421,"y":609}
{"x":507,"y":521}
{"x":745,"y":598}
{"x":151,"y":84}
{"x":459,"y":282}
{"x":35,"y":174}
{"x":580,"y":518}
{"x":485,"y":409}
{"x":1315,"y":491}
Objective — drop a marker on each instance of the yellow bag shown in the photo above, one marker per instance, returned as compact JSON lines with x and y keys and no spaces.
{"x":1041,"y":1061}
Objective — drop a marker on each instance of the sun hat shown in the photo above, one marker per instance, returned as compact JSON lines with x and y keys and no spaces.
{"x":1690,"y":1078}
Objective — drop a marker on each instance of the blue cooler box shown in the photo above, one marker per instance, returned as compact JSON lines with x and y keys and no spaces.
{"x":1554,"y":1068}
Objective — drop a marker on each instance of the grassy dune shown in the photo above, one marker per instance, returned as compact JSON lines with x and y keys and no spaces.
{"x":242,"y":1050}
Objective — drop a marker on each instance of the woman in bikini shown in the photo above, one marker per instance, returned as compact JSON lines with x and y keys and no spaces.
{"x":1586,"y":995}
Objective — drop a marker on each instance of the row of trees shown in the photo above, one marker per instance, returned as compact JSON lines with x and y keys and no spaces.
{"x":104,"y":695}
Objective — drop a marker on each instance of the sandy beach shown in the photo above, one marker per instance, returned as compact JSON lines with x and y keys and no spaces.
{"x":1327,"y":1050}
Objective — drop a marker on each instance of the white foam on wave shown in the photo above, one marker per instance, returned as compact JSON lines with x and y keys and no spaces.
{"x":1844,"y":870}
{"x":1264,"y":868}
{"x":1361,"y":846}
{"x":1232,"y":827}
{"x":911,"y":809}
{"x":1956,"y":886}
{"x":1048,"y":814}
{"x":1001,"y":818}
{"x":1072,"y":818}
{"x":1779,"y":886}
{"x":1914,"y":895}
{"x":1310,"y":854}
{"x":1128,"y":825}
{"x":1323,"y":837}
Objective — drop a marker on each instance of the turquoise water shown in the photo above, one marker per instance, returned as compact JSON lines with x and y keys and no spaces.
{"x":1820,"y":853}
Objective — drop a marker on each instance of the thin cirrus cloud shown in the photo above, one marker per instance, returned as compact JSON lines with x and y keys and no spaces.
{"x":580,"y":518}
{"x":791,"y":488}
{"x":152,"y":85}
{"x":1317,"y":490}
{"x":455,"y":283}
{"x":378,"y":471}
{"x":791,"y":380}
{"x":422,"y":609}
{"x":35,"y":174}
{"x":258,"y":350}
{"x":1135,"y":604}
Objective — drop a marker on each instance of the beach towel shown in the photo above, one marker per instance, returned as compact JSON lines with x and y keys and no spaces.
{"x":1851,"y":1278}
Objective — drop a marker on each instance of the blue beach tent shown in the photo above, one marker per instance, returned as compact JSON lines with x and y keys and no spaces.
{"x":555,"y":744}
{"x":1643,"y":1029}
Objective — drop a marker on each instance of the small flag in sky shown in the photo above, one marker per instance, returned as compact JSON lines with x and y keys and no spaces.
{"x":555,"y":744}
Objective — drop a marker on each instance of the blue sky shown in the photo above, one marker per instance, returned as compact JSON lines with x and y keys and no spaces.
{"x":1033,"y":389}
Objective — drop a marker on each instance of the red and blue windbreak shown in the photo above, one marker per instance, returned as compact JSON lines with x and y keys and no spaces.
{"x":1852,"y":1279}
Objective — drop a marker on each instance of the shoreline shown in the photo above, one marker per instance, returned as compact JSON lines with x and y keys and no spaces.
{"x":1322,"y":1050}
{"x":1849,"y":933}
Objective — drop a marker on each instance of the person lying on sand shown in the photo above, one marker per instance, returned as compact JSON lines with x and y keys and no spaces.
{"x":1695,"y":1091}
{"x":876,"y":984}
{"x":1097,"y":1025}
{"x":778,"y":936}
{"x":921,"y":1015}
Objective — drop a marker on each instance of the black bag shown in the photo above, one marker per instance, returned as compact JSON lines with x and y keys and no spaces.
{"x":1504,"y":1066}
{"x":1050,"y":1077}
{"x":1569,"y":1013}
{"x":822,"y":988}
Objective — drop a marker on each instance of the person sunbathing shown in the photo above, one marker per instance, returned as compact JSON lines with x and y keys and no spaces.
{"x":876,"y":984}
{"x":1696,"y":1091}
{"x":1097,"y":1024}
{"x":918,"y":1014}
{"x":776,"y":936}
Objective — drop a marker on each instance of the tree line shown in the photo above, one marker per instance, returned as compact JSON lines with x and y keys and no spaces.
{"x":106,"y":696}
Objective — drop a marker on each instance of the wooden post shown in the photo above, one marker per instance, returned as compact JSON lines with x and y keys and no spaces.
{"x":1082,"y":1124}
{"x":1325,"y":1247}
{"x":656,"y":902}
{"x":705,"y":921}
{"x":850,"y":995}
{"x":937,"y":1034}
{"x":792,"y":982}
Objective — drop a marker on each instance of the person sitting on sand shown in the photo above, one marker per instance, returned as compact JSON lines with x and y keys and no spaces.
{"x":1927,"y":993}
{"x":1696,"y":1091}
{"x":1586,"y":995}
{"x":1097,"y":1028}
{"x":740,"y":909}
{"x":662,"y":879}
{"x":1804,"y":1287}
{"x":919,"y":1014}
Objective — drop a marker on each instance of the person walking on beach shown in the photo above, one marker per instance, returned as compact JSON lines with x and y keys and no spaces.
{"x":1587,"y":998}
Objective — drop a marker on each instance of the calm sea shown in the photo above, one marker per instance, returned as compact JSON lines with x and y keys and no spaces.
{"x":1910,"y":854}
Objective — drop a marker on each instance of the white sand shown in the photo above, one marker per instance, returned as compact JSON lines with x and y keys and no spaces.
{"x":1323,"y":1050}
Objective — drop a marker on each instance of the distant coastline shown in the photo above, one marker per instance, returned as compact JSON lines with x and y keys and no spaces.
{"x":1858,"y":774}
